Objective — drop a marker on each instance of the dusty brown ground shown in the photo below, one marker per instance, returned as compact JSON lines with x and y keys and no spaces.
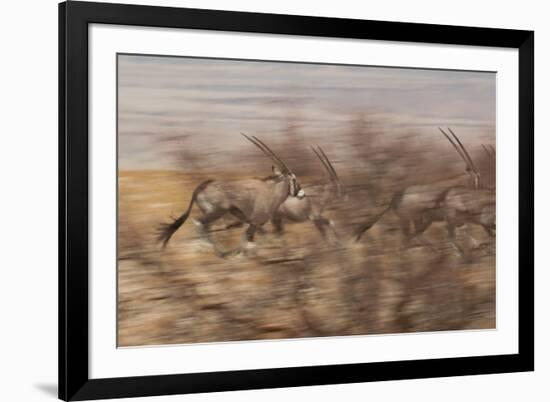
{"x":295,"y":286}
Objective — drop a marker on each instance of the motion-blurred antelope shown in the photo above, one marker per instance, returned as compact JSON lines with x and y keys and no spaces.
{"x":299,"y":210}
{"x":456,"y":201}
{"x":305,"y":209}
{"x":463,"y":205}
{"x":253,"y":201}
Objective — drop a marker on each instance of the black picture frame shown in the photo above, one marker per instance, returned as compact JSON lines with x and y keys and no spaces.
{"x":74,"y":18}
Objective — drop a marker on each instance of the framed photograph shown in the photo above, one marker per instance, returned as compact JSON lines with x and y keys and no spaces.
{"x":258,"y":201}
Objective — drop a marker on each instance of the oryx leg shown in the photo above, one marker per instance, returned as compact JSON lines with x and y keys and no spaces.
{"x":420,"y":225}
{"x":405,"y":224}
{"x":232,"y":225}
{"x":236,"y":224}
{"x":242,"y":219}
{"x":203,"y":224}
{"x":489,"y":229}
{"x":250,"y":232}
{"x":277,"y":222}
{"x":452,"y":223}
{"x":483,"y":244}
{"x":260,"y":230}
{"x":240,"y":222}
{"x":249,"y":239}
{"x":465,"y":254}
{"x":247,"y":245}
{"x":321,"y":223}
{"x":451,"y":230}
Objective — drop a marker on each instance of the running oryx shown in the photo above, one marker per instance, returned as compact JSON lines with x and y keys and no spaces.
{"x":299,"y":210}
{"x":304,"y":209}
{"x":253,"y":201}
{"x":457,"y":201}
{"x":463,"y":205}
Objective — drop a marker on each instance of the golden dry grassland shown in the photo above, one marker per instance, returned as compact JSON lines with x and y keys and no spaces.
{"x":294,"y":286}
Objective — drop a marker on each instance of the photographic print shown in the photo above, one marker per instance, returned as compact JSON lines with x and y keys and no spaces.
{"x":277,"y":200}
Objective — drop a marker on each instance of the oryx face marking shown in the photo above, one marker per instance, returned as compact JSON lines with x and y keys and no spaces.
{"x":295,"y":190}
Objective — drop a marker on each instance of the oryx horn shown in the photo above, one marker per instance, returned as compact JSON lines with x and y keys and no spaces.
{"x":326,"y":162}
{"x":268,"y":152}
{"x":464,"y":150}
{"x":488,"y":150}
{"x":459,"y":149}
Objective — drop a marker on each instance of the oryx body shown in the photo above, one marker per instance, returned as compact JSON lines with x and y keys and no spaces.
{"x":466,"y":205}
{"x":253,"y":201}
{"x":305,"y":209}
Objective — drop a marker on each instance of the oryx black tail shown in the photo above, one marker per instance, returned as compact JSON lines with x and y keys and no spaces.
{"x":166,"y":230}
{"x":394,"y":203}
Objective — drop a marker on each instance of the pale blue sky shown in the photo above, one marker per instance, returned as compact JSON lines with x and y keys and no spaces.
{"x":213,"y":100}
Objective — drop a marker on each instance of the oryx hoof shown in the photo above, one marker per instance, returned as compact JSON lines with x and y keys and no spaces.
{"x":249,"y":245}
{"x":200,"y":229}
{"x":249,"y":249}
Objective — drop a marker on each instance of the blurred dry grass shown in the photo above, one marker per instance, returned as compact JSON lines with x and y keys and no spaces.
{"x":298,"y":285}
